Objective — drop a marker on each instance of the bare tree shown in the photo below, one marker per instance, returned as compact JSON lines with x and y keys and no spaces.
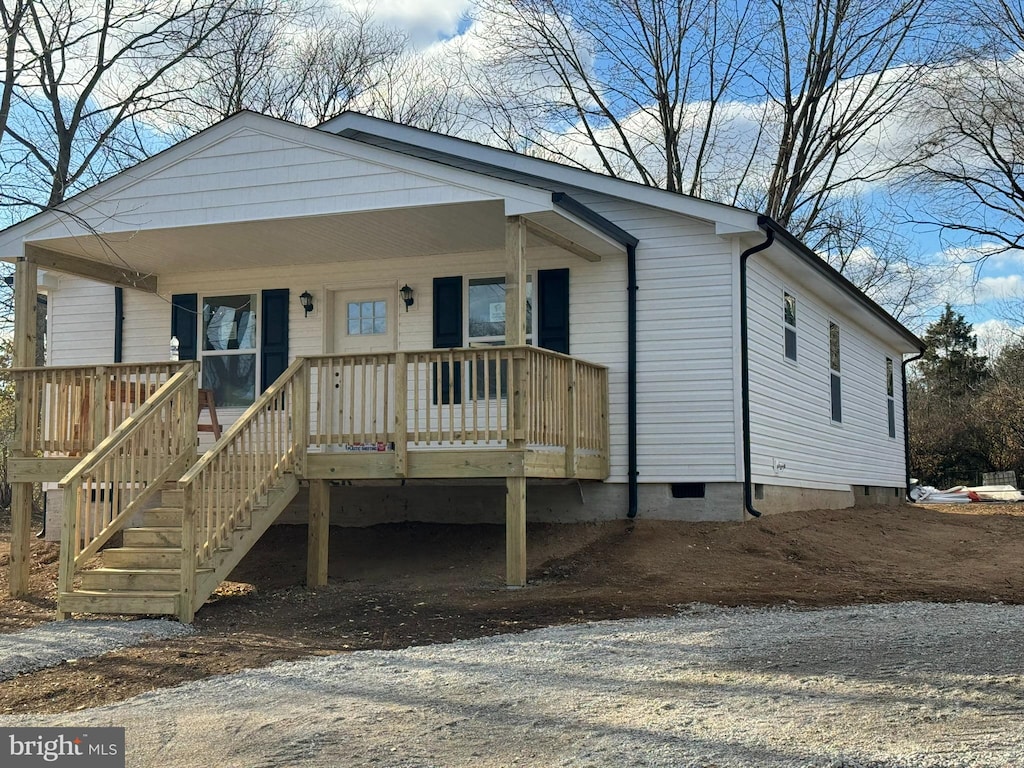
{"x":94,"y":73}
{"x":969,"y":165}
{"x":12,"y":17}
{"x":780,"y":106}
{"x":303,"y":61}
{"x":632,"y":86}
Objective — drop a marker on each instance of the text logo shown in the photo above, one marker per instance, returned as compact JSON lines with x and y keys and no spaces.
{"x":82,"y":748}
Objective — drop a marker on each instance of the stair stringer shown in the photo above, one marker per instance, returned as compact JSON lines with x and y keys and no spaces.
{"x":243,"y":539}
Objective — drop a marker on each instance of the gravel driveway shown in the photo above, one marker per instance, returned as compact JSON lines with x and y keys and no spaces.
{"x":890,"y":685}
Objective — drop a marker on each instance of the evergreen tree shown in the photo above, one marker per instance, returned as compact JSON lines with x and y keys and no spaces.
{"x":951,"y":367}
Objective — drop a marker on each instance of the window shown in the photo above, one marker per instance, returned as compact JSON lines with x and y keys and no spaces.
{"x":789,"y":324}
{"x":486,"y":327}
{"x":486,"y":316}
{"x":367,"y":318}
{"x":890,"y":399}
{"x":228,"y":348}
{"x":835,"y":372}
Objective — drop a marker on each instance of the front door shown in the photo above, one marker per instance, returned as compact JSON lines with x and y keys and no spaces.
{"x":360,"y":388}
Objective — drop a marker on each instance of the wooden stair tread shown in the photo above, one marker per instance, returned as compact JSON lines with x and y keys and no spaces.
{"x":160,"y":571}
{"x":119,"y":601}
{"x":124,"y":592}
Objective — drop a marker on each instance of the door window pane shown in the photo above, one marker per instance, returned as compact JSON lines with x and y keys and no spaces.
{"x":367,"y":318}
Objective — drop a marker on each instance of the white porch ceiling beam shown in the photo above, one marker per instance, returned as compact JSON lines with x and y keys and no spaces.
{"x":92,"y":270}
{"x":560,"y":241}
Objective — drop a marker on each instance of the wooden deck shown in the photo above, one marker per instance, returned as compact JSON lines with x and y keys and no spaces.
{"x":113,"y":436}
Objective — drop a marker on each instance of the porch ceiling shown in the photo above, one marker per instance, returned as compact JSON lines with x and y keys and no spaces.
{"x":377,"y":234}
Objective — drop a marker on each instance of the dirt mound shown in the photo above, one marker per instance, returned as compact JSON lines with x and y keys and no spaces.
{"x":394,"y":586}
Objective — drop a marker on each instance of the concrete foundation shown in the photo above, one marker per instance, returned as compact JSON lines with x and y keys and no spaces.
{"x":548,"y":502}
{"x":372,"y":503}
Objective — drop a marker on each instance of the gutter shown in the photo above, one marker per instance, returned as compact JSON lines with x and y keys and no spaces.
{"x":906,"y":418}
{"x":833,"y":275}
{"x":631,"y":290}
{"x":615,"y":232}
{"x":748,"y":491}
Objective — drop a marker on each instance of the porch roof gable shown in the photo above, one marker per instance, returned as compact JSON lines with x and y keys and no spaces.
{"x":253,"y":169}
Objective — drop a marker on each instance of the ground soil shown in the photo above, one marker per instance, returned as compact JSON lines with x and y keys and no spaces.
{"x":393,"y":586}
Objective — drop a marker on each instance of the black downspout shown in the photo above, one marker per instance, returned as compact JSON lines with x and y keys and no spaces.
{"x":906,"y":418}
{"x":748,"y":500}
{"x":631,"y":292}
{"x":118,"y":324}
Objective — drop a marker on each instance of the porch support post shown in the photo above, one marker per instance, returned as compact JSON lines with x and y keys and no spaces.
{"x":25,"y":288}
{"x":319,"y":533}
{"x":515,"y":336}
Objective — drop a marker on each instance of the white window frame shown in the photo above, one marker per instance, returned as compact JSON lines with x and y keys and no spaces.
{"x":496,"y":341}
{"x":787,"y":326}
{"x":835,"y":372}
{"x":256,"y":351}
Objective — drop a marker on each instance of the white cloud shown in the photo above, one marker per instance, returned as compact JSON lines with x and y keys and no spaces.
{"x":1002,"y":288}
{"x":424,"y":22}
{"x":993,"y":335}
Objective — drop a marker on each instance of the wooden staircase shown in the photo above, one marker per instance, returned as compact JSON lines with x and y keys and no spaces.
{"x":143,"y":575}
{"x":211,"y":515}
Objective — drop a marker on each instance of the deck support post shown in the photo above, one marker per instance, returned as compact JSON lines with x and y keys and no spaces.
{"x":515,"y":531}
{"x":319,"y":533}
{"x":26,"y":277}
{"x":515,"y":336}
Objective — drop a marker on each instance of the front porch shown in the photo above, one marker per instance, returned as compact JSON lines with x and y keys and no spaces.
{"x":212,"y":243}
{"x":114,"y":436}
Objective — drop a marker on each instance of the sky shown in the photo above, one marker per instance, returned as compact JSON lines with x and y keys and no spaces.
{"x":984,"y":295}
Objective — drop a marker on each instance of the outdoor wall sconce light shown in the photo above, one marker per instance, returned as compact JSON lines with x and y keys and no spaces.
{"x":406,"y":293}
{"x":306,"y":300}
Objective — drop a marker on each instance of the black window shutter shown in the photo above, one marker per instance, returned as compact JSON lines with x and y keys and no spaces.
{"x":448,"y":334}
{"x":553,"y":309}
{"x":184,"y":323}
{"x":274,"y":341}
{"x":447,"y":312}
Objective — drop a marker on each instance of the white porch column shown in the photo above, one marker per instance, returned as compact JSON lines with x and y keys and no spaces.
{"x":515,"y":336}
{"x":25,"y":289}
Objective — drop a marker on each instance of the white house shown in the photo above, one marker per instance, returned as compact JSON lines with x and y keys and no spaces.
{"x":399,"y":287}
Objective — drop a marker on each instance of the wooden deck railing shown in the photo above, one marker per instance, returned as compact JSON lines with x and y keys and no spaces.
{"x":223,"y":487}
{"x":155,"y":444}
{"x":457,"y":398}
{"x":71,"y":409}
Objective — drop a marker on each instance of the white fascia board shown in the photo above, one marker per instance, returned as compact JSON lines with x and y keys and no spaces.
{"x":736,"y":220}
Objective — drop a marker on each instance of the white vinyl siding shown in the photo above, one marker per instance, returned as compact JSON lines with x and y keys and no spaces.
{"x":687,"y":391}
{"x":80,"y":323}
{"x":791,"y":405}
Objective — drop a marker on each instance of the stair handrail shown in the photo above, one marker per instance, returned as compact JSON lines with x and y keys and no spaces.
{"x":152,"y":445}
{"x":268,"y":440}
